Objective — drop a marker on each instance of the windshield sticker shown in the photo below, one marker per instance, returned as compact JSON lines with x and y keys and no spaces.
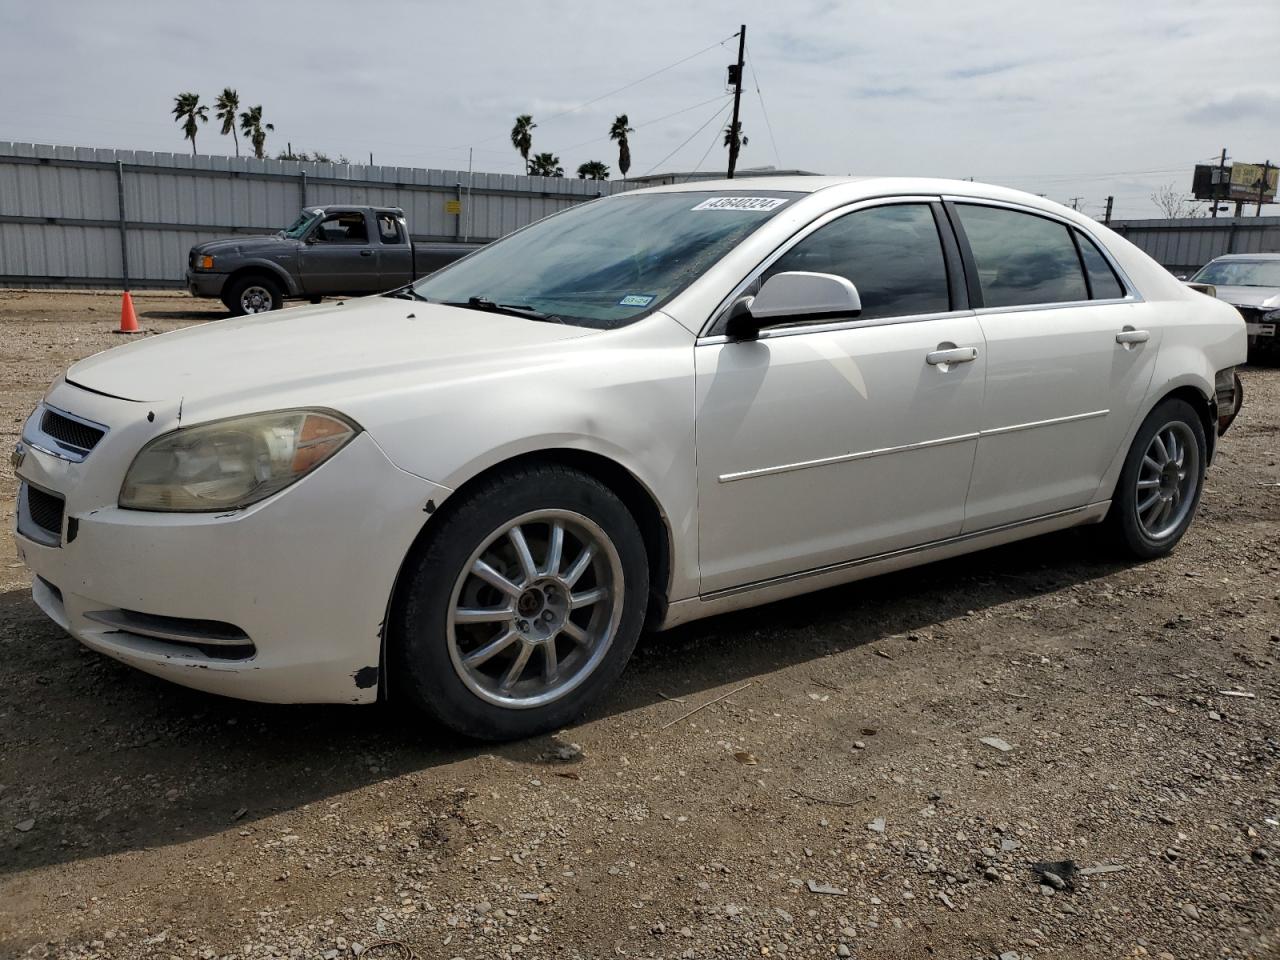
{"x":635,"y":300}
{"x":741,"y":203}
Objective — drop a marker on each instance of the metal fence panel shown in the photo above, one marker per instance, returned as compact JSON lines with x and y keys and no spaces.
{"x":60,"y":206}
{"x":1185,"y":245}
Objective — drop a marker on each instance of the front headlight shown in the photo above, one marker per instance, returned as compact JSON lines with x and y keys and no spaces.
{"x":1272,"y":317}
{"x":230,"y":464}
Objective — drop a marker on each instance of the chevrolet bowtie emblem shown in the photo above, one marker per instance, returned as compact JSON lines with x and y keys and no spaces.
{"x":19,"y":454}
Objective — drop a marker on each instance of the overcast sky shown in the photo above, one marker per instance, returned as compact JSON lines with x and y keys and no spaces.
{"x":1074,"y":99}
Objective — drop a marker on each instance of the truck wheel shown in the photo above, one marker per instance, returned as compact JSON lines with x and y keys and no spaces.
{"x":254,"y":294}
{"x":522,"y":607}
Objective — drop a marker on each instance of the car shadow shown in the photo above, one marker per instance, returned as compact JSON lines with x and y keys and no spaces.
{"x":82,"y":731}
{"x":206,"y":314}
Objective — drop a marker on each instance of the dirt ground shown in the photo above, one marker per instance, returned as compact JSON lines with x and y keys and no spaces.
{"x":836,"y":798}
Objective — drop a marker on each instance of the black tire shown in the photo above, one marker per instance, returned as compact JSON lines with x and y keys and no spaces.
{"x":1128,"y":531}
{"x":423,"y":672}
{"x":254,"y":288}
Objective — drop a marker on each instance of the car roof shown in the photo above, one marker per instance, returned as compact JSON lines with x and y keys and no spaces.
{"x":851,"y":188}
{"x":1247,"y":256}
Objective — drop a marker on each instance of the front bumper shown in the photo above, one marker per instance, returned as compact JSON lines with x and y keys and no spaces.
{"x":204,"y":284}
{"x":305,"y":577}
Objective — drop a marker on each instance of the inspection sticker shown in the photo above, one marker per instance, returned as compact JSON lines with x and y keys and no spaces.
{"x":635,"y":300}
{"x":741,"y":203}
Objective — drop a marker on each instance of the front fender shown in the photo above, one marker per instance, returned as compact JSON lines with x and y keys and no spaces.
{"x":288,"y":281}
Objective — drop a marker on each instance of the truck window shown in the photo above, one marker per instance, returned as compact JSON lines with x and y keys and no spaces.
{"x":389,"y":228}
{"x":342,"y":228}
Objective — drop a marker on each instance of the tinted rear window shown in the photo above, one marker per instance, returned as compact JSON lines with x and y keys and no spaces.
{"x":1022,"y":259}
{"x":1103,"y":281}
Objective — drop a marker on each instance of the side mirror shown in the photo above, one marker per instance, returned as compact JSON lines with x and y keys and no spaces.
{"x":793,"y":297}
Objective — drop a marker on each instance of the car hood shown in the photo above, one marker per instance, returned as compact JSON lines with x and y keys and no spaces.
{"x":313,"y":351}
{"x":1265,"y":298}
{"x":241,"y":245}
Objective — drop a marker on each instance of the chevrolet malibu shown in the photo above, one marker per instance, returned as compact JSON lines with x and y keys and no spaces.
{"x":473,"y":494}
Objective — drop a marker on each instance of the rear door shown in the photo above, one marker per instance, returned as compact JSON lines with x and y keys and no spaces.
{"x":338,"y":257}
{"x":1070,"y":353}
{"x":394,"y":258}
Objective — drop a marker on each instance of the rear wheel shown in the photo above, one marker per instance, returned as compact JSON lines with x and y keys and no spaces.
{"x":253,"y":294}
{"x":523,"y":607}
{"x":1161,"y":482}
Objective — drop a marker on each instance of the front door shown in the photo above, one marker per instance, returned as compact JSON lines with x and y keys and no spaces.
{"x":1069,"y":360}
{"x":817,"y":445}
{"x":337,"y":256}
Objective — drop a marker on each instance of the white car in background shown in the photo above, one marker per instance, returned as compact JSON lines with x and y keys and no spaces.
{"x":1250,"y":282}
{"x":473,"y":494}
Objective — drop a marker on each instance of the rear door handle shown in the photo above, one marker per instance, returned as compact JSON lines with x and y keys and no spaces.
{"x":1129,"y":335}
{"x":366,"y":253}
{"x":953,"y":355}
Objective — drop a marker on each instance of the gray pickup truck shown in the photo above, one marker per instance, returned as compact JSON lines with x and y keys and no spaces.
{"x":328,"y":251}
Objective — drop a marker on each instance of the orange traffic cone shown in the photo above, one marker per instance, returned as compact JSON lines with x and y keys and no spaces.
{"x":128,"y":319}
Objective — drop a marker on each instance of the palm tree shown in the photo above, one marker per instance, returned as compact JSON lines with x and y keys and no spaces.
{"x":187,"y":109}
{"x":730,"y":135}
{"x":522,"y":137}
{"x":619,"y":132}
{"x":545,"y":165}
{"x":593,"y":170}
{"x":227,"y":104}
{"x":252,"y":126}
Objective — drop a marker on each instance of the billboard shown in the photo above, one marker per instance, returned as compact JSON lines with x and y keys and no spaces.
{"x":1246,"y":181}
{"x":1237,"y":181}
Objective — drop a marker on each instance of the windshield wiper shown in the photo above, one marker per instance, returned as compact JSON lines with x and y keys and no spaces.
{"x":508,"y":309}
{"x":405,"y":293}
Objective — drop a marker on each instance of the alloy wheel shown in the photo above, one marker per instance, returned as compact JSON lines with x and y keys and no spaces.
{"x":1167,"y":479}
{"x":535,"y":608}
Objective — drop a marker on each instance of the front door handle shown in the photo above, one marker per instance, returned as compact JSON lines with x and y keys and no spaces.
{"x":366,"y":253}
{"x":1129,"y":336}
{"x":940,"y":358}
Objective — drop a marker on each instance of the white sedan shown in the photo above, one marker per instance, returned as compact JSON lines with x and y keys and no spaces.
{"x":473,"y":494}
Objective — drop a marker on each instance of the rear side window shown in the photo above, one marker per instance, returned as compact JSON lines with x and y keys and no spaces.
{"x":389,"y":228}
{"x":892,"y":254}
{"x":1022,"y":259}
{"x":1103,"y":282}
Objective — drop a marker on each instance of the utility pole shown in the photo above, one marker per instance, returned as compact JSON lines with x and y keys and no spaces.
{"x":1075,"y":203}
{"x":1262,"y":186}
{"x":1217,"y":187}
{"x":735,"y":74}
{"x":1106,"y":217}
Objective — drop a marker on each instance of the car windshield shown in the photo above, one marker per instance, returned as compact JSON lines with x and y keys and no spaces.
{"x":1240,"y":273}
{"x":300,"y":226}
{"x":606,"y":263}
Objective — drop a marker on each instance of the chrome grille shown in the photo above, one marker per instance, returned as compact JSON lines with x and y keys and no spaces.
{"x":73,"y":433}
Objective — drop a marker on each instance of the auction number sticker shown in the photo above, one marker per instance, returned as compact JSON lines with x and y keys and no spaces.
{"x":741,"y":203}
{"x":635,"y":300}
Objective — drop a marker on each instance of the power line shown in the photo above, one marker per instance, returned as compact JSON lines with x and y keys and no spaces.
{"x":715,"y":138}
{"x":755,"y":77}
{"x":649,"y":123}
{"x":626,"y":86}
{"x":719,"y":111}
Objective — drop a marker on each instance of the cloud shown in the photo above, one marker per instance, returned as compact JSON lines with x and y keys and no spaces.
{"x":984,"y":70}
{"x":1259,"y":105}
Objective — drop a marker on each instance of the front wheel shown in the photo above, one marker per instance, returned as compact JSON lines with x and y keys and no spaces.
{"x":1161,"y":482}
{"x":523,"y":607}
{"x":253,"y":295}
